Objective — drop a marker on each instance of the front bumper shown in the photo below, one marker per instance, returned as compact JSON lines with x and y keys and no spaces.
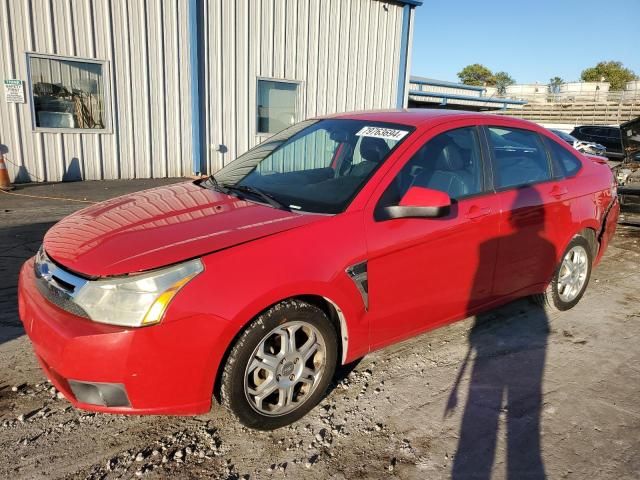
{"x":165,"y":369}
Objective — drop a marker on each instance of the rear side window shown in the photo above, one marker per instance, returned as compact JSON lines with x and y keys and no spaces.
{"x":519,"y":157}
{"x":566,"y":164}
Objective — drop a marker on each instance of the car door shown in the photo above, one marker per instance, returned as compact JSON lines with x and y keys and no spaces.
{"x":529,"y":201}
{"x":423,"y":272}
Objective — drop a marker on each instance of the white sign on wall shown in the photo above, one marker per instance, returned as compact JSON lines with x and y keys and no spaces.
{"x":14,"y":91}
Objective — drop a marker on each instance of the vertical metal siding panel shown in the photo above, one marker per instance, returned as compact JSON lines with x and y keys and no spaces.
{"x":135,"y":74}
{"x":302,"y":56}
{"x":10,"y":121}
{"x":146,"y":98}
{"x":51,"y":142}
{"x":389,"y":50}
{"x":205,"y":94}
{"x":107,"y":50}
{"x":311,"y":75}
{"x":216,"y":83}
{"x":409,"y":54}
{"x":290,"y":45}
{"x":99,"y":17}
{"x":228,"y":80}
{"x":343,"y":52}
{"x":323,"y":52}
{"x":183,"y":89}
{"x":185,"y":93}
{"x":363,"y":58}
{"x":124,"y":85}
{"x":34,"y":144}
{"x":396,"y":42}
{"x":209,"y":92}
{"x":254,"y":48}
{"x":279,"y":28}
{"x":372,"y":47}
{"x":170,"y":64}
{"x":157,"y":99}
{"x":380,"y":67}
{"x":241,"y":105}
{"x":267,"y":34}
{"x":353,"y":72}
{"x":333,"y":56}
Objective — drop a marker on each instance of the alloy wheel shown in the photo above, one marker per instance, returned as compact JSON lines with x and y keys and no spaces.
{"x":285,"y":368}
{"x":573,"y":273}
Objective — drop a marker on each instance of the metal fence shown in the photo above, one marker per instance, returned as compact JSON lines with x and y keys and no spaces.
{"x":621,"y":96}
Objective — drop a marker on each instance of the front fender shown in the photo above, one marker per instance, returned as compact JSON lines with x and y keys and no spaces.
{"x":241,"y":282}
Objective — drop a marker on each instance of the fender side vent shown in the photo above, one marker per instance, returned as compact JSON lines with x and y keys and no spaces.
{"x":358,"y":273}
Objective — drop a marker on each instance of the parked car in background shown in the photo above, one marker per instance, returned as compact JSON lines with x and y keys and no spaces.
{"x":628,"y":172}
{"x":580,"y":145}
{"x":609,"y":137}
{"x":335,"y":237}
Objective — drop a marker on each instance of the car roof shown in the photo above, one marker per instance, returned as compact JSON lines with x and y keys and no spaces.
{"x":418,"y":117}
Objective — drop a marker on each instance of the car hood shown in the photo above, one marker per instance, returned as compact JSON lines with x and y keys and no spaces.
{"x":158,"y":227}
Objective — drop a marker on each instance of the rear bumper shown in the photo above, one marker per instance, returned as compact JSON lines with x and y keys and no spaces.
{"x":164,"y":369}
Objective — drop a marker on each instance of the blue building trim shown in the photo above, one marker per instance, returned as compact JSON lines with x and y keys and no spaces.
{"x":442,"y":83}
{"x":412,"y":3}
{"x":451,"y":96}
{"x":404,"y":52}
{"x":196,"y":104}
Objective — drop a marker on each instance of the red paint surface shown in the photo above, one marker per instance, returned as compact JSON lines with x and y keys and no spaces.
{"x":423,"y":273}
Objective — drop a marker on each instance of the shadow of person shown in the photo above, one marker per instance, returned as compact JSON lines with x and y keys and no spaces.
{"x":508,"y":347}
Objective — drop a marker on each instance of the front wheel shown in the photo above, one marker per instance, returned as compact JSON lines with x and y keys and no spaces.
{"x":281,"y":366}
{"x":571,"y":277}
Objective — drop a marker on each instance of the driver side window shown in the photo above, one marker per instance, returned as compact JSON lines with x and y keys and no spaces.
{"x":451,"y":162}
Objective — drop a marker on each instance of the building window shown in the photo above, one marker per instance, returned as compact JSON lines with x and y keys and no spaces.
{"x":67,"y":93}
{"x":276,"y":105}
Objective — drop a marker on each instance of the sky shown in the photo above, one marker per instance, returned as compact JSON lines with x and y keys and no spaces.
{"x":532,"y":41}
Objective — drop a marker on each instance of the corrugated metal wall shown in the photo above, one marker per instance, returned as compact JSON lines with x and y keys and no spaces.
{"x":344,"y":53}
{"x":145,"y":45}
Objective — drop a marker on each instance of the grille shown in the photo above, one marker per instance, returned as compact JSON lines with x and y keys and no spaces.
{"x":58,"y":285}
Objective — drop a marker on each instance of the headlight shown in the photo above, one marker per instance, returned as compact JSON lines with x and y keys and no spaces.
{"x":138,"y":300}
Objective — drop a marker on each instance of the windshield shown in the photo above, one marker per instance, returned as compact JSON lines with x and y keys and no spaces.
{"x":314,"y":166}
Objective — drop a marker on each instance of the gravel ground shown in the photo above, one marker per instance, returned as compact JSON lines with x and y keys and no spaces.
{"x":541,"y":395}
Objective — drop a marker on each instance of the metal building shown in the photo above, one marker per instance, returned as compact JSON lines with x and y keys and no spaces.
{"x":431,"y":93}
{"x":108,"y":89}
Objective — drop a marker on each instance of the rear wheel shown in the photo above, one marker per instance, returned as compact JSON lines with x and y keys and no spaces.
{"x":281,"y":365}
{"x":571,"y":277}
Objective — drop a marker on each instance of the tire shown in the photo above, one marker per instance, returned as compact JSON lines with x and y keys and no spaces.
{"x":558,"y":296}
{"x":266,"y":382}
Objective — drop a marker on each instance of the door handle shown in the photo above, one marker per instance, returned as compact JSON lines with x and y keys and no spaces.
{"x":477,"y":212}
{"x":559,"y":192}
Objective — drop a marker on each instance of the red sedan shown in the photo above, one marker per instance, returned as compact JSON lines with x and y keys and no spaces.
{"x":331,"y":239}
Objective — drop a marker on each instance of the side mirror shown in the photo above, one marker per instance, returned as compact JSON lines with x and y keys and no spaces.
{"x":419,"y":202}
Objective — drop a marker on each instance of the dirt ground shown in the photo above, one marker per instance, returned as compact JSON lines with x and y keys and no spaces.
{"x":542,"y":395}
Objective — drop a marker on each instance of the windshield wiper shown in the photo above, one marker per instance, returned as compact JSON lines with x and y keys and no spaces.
{"x":267,"y":197}
{"x":211,"y":182}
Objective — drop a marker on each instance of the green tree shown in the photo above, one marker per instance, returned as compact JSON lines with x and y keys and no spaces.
{"x":476,"y":74}
{"x":502,"y":80}
{"x":613,"y":72}
{"x":554,"y":84}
